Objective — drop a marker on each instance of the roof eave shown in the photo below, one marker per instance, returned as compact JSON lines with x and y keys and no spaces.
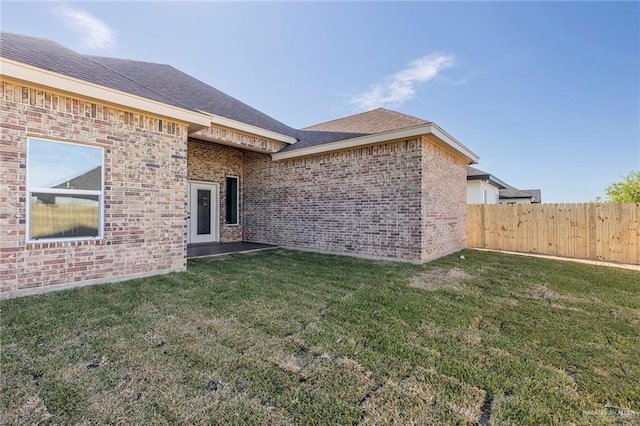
{"x":426,"y":129}
{"x":508,"y":197}
{"x":489,"y":178}
{"x":454,"y":143}
{"x":59,"y":82}
{"x":249,"y":128}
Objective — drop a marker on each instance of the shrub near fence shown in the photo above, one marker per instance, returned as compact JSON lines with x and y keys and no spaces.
{"x":608,"y":232}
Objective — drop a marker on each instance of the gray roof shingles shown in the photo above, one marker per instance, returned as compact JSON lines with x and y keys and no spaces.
{"x":192,"y":92}
{"x":379,"y":120}
{"x":166,"y":84}
{"x":511,"y":192}
{"x":91,"y":180}
{"x":375,"y":121}
{"x":476,"y":174}
{"x":157,"y":82}
{"x":46,"y":54}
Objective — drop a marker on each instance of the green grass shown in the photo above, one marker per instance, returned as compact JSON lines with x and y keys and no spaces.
{"x":285,"y":337}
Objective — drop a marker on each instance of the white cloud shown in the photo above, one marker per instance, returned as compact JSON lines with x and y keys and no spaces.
{"x":401,"y":86}
{"x":94,"y":33}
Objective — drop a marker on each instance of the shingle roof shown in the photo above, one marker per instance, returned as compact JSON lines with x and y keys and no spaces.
{"x":91,"y":180}
{"x":157,"y":82}
{"x":536,"y":195}
{"x":476,"y":174}
{"x":366,"y":123}
{"x":473,"y":172}
{"x":376,"y":121}
{"x":511,"y":192}
{"x":192,"y":92}
{"x":48,"y":55}
{"x":166,"y":84}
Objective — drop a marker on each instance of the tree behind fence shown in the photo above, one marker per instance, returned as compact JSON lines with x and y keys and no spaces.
{"x":608,"y":232}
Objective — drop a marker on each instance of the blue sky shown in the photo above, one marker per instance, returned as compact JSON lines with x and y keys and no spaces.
{"x":546,"y":93}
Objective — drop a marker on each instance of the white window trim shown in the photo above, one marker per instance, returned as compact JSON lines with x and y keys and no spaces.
{"x":35,"y":189}
{"x":226,"y":194}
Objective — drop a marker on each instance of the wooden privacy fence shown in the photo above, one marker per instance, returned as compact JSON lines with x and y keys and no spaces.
{"x":606,"y":232}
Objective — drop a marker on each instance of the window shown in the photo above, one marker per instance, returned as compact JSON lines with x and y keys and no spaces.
{"x":484,"y":196}
{"x":65,"y":191}
{"x":232,"y":201}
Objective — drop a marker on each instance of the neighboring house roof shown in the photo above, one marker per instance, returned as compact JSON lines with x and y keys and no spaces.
{"x":475,"y":174}
{"x":90,"y":180}
{"x":505,"y":190}
{"x":510,"y":192}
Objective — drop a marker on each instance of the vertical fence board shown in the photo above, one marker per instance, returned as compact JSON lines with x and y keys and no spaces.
{"x":606,"y":237}
{"x":534,"y":225}
{"x":599,"y":232}
{"x":519,"y":220}
{"x":589,"y":231}
{"x":551,"y":247}
{"x":616,"y":227}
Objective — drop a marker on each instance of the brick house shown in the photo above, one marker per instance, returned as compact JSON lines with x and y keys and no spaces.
{"x":110,"y":168}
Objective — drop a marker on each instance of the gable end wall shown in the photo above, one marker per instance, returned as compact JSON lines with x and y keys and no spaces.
{"x":444,"y":207}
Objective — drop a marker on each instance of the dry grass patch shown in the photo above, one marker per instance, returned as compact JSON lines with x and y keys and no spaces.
{"x":442,"y":279}
{"x":424,"y":397}
{"x":543,"y":292}
{"x":32,"y":411}
{"x":287,"y":363}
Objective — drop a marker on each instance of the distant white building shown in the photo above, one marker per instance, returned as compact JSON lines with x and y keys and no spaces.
{"x":485,"y":188}
{"x":482,"y":187}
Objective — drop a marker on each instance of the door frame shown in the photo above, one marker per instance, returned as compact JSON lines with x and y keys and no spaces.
{"x":214,"y":236}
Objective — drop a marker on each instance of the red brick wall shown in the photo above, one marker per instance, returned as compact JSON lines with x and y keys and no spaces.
{"x":444,"y":206}
{"x":401,"y":200}
{"x":145,"y":191}
{"x":211,"y":162}
{"x":364,"y":201}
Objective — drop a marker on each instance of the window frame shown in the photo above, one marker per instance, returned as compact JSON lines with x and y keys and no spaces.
{"x":35,"y":189}
{"x":228,"y":203}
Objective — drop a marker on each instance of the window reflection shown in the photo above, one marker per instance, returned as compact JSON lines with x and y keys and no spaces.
{"x":64,"y":216}
{"x":56,"y":164}
{"x":65,"y":190}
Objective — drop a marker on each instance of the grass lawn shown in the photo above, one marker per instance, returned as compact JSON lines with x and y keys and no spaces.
{"x":286,"y":337}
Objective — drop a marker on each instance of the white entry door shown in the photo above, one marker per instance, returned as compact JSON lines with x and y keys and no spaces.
{"x":203,"y":201}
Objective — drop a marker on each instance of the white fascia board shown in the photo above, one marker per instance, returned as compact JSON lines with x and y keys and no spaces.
{"x":59,"y":82}
{"x":249,"y":128}
{"x":453,"y":143}
{"x":351,"y":143}
{"x":378,"y":138}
